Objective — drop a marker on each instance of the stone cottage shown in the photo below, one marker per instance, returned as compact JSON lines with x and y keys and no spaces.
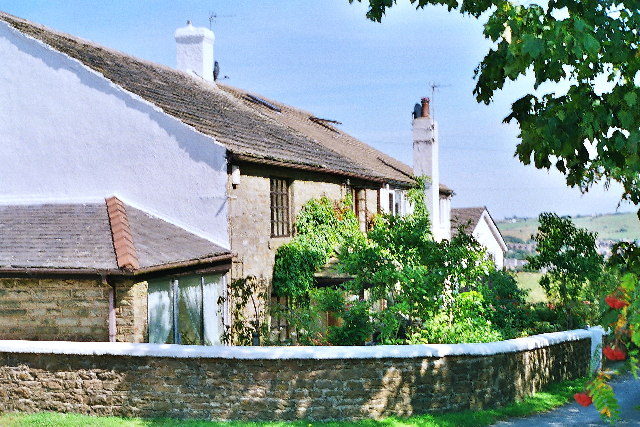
{"x":140,"y":191}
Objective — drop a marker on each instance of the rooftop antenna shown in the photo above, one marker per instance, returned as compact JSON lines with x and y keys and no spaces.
{"x":434,"y":86}
{"x":213,"y":16}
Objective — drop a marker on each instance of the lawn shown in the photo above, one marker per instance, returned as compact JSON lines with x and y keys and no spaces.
{"x":529,"y":282}
{"x":554,"y":396}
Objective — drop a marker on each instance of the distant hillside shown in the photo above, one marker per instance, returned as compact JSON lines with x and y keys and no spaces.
{"x":623,"y":226}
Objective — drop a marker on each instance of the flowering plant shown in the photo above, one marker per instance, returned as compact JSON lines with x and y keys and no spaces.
{"x":615,"y":302}
{"x":583,"y":399}
{"x":624,"y":320}
{"x":614,"y":353}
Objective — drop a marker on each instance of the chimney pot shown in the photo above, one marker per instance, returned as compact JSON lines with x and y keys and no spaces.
{"x":425,"y":107}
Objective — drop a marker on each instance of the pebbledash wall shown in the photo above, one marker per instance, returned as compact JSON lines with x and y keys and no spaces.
{"x":284,"y":383}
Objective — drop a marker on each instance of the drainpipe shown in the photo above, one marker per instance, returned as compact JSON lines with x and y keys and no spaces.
{"x":112,"y":309}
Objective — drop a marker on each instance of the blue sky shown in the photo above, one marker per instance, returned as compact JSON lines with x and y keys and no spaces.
{"x":326,"y":57}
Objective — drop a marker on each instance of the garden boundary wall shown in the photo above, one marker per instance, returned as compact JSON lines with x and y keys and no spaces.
{"x":284,"y":383}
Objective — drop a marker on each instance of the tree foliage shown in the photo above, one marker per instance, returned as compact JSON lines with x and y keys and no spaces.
{"x":589,"y":132}
{"x":568,"y":254}
{"x":320,"y":228}
{"x":573,"y":266}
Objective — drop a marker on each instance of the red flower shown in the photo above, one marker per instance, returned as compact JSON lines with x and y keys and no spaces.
{"x":583,"y":398}
{"x":615,"y":302}
{"x":614,"y":353}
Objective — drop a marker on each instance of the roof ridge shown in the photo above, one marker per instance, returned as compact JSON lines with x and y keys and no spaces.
{"x":215,"y":110}
{"x":7,"y":17}
{"x":125,"y":250}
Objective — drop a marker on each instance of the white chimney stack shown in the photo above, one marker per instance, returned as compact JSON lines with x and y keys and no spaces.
{"x":194,"y":51}
{"x":425,"y":161}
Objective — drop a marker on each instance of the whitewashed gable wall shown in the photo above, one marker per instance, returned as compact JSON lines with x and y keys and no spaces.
{"x":485,"y":236}
{"x":69,"y":134}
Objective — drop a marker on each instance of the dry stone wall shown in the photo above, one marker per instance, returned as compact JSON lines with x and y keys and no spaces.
{"x":291,"y":383}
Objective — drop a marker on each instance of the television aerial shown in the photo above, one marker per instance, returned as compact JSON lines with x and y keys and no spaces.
{"x":435,"y":86}
{"x":213,"y":16}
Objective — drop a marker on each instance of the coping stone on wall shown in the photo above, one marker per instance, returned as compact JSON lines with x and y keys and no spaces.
{"x":301,"y":352}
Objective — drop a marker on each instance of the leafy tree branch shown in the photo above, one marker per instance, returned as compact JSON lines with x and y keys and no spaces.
{"x":590,"y":133}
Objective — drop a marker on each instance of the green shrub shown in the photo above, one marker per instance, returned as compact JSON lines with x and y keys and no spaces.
{"x":356,"y":328}
{"x":467,"y":323}
{"x":328,"y":299}
{"x":320,"y":229}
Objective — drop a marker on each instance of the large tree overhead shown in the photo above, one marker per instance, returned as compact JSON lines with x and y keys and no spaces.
{"x":590,"y":132}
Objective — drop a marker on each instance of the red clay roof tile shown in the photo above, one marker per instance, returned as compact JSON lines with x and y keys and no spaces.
{"x":126,"y":254}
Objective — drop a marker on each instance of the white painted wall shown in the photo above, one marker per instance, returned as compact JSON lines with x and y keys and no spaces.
{"x":69,"y":134}
{"x":194,"y":51}
{"x":426,"y":163}
{"x":485,"y":235}
{"x":445,"y":217}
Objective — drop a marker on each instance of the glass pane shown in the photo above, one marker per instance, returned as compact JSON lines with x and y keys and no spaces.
{"x":212,"y":291}
{"x":190,"y":310}
{"x":160,"y":311}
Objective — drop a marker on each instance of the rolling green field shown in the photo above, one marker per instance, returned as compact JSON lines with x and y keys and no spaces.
{"x":624,"y":226}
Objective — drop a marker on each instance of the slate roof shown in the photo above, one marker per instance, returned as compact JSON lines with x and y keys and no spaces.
{"x":79,"y":236}
{"x":243,"y":129}
{"x":236,"y":119}
{"x":158,"y":242}
{"x":56,"y":236}
{"x":468,"y":217}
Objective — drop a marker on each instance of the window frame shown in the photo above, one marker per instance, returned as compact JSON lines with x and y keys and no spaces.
{"x":165,"y":314}
{"x":280,"y":206}
{"x":359,"y":196}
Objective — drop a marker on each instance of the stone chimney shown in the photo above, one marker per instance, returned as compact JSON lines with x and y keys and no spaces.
{"x":194,"y":51}
{"x":425,"y":161}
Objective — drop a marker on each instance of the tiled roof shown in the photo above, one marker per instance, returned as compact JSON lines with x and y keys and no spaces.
{"x":126,"y":254}
{"x":242,"y":127}
{"x":244,"y":123}
{"x":468,"y":217}
{"x":158,"y":242}
{"x":83,"y":236}
{"x":327,"y":134}
{"x":56,"y":236}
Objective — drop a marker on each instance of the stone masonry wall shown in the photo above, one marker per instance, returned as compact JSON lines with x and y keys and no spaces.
{"x":131,"y":311}
{"x":284,"y":388}
{"x":250,"y":214}
{"x":71,"y":310}
{"x":50,"y":309}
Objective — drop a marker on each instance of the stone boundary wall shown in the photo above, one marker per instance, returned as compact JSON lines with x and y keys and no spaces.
{"x":283,"y":383}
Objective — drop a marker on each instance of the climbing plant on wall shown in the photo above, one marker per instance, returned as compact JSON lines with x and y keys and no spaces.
{"x":320,"y":228}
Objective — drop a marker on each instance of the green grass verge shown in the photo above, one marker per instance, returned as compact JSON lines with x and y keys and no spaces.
{"x":552,"y":397}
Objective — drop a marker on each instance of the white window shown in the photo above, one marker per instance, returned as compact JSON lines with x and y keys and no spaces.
{"x":187,"y":310}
